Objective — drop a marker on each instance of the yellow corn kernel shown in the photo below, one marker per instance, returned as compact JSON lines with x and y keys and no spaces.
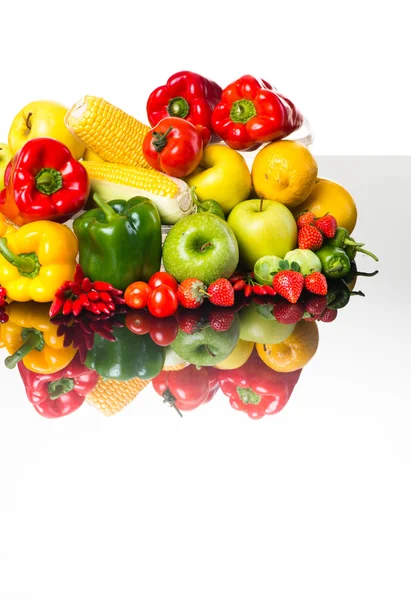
{"x":111,"y":396}
{"x":108,"y":131}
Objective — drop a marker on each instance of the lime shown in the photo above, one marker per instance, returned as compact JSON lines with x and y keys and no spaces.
{"x":264,"y":267}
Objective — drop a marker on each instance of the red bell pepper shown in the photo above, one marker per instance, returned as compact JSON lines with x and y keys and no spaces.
{"x":61,"y":393}
{"x":188,"y":96}
{"x":187,"y":388}
{"x":43,"y":182}
{"x":256,"y":389}
{"x":252,"y":112}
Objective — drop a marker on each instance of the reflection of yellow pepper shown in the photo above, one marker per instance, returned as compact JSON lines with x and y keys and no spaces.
{"x":37,"y":259}
{"x":29,"y":336}
{"x":6,"y":226}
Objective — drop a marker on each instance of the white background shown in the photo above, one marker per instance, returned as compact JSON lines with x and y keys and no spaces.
{"x":313,"y":503}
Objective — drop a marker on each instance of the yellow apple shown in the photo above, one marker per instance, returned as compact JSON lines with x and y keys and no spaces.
{"x":5,"y":156}
{"x":43,"y":118}
{"x":223,"y":175}
{"x":238,"y":356}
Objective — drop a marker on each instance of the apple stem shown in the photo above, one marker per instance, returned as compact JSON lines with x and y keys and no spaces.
{"x":261,"y":204}
{"x":205,"y":246}
{"x":209,"y":351}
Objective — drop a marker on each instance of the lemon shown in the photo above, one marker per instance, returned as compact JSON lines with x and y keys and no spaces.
{"x":295,"y":352}
{"x":284,"y":171}
{"x":238,"y":356}
{"x":330,"y":197}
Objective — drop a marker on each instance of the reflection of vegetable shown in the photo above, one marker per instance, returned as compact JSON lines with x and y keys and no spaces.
{"x":45,"y":182}
{"x":111,"y":396}
{"x":251,"y":112}
{"x":187,"y":388}
{"x":31,"y":338}
{"x":339,"y":294}
{"x":36,"y":260}
{"x":256,"y":389}
{"x":119,"y":242}
{"x":335,"y":262}
{"x":127,"y":357}
{"x":60,"y":393}
{"x":186,"y":95}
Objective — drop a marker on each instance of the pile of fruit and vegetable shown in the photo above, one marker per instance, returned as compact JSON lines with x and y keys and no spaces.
{"x":197,"y":251}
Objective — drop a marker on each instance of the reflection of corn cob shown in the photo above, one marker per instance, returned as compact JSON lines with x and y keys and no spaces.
{"x":111,"y":396}
{"x":108,"y":131}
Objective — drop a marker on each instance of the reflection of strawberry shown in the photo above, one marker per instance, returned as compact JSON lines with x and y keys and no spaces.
{"x":289,"y":284}
{"x":315,"y":305}
{"x":316,"y":283}
{"x":221,"y":319}
{"x":327,"y":225}
{"x":221,"y":293}
{"x":189,"y":321}
{"x":191,"y":293}
{"x":310,"y":238}
{"x":329,"y":315}
{"x":305,"y":218}
{"x":287,"y":313}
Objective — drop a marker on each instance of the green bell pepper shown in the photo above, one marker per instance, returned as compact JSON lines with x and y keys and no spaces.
{"x":209,"y":206}
{"x":128,"y":357}
{"x":335,"y":262}
{"x":119,"y":242}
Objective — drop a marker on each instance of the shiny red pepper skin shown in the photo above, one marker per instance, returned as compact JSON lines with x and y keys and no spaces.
{"x":187,"y":388}
{"x":251,"y":113}
{"x":186,"y":95}
{"x":44,"y":181}
{"x":77,"y":379}
{"x":256,"y":389}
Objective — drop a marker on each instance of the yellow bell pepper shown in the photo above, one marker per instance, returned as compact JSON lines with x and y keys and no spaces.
{"x":6,"y":226}
{"x":36,"y":260}
{"x":29,"y":336}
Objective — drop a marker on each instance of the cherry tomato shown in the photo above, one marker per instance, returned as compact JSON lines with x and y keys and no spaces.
{"x":137,"y":294}
{"x":164,"y":331}
{"x":162,"y":302}
{"x":160,"y":382}
{"x":190,"y":387}
{"x":139,"y":321}
{"x":174,"y":146}
{"x":163,"y":277}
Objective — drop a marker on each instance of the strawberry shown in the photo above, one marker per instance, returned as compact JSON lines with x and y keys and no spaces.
{"x":191,"y":292}
{"x":329,"y":315}
{"x":327,"y":225}
{"x":287,"y":313}
{"x":221,"y":319}
{"x":310,"y":238}
{"x":316,"y":283}
{"x":289,"y":284}
{"x":305,"y":218}
{"x":315,"y":305}
{"x":221,"y":293}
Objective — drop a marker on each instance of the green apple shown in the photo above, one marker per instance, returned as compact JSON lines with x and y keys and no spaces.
{"x":258,"y":325}
{"x":43,"y":118}
{"x":207,"y":347}
{"x":5,"y":156}
{"x":223,"y":175}
{"x":262,"y":227}
{"x":201,"y":246}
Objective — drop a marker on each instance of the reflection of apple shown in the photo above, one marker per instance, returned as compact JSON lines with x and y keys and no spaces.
{"x":262,"y":227}
{"x":238,"y":356}
{"x":257,"y":324}
{"x":5,"y":156}
{"x":223,"y":176}
{"x":202,"y":246}
{"x":43,"y":118}
{"x":207,"y":347}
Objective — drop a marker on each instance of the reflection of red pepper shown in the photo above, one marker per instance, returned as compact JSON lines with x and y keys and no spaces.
{"x":44,"y":181}
{"x":187,"y":388}
{"x":188,"y":96}
{"x":60,"y":393}
{"x":251,"y":112}
{"x":256,"y":389}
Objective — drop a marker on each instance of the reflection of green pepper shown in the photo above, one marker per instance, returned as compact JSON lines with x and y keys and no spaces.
{"x":335,"y":263}
{"x":354,"y":273}
{"x":120,"y":242}
{"x":128,"y":357}
{"x":338,"y":294}
{"x":210,"y":206}
{"x":343,"y":240}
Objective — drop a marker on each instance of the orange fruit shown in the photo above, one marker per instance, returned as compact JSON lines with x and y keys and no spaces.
{"x":330,"y":197}
{"x":295,"y":352}
{"x":284,"y":171}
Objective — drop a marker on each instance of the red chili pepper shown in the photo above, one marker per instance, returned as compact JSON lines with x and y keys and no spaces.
{"x":68,"y":306}
{"x":251,"y":112}
{"x":239,"y":285}
{"x":270,"y":290}
{"x":256,"y":389}
{"x":186,"y":95}
{"x":45,"y":182}
{"x":259,"y":290}
{"x":86,"y":285}
{"x":61,"y":393}
{"x":77,"y":307}
{"x":93,"y":296}
{"x":248,"y":290}
{"x":56,"y":307}
{"x":102,"y":286}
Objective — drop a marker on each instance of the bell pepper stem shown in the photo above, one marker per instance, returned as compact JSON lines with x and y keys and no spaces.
{"x":32,"y":342}
{"x":178,"y":107}
{"x":108,"y":211}
{"x":242,"y":111}
{"x":22,"y":263}
{"x":61,"y":386}
{"x":49,"y":181}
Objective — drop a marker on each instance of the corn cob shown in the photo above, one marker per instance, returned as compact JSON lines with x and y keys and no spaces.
{"x":108,"y":131}
{"x":118,"y":182}
{"x":111,"y":396}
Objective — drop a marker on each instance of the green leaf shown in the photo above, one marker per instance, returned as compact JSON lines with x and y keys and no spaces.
{"x":295,"y":266}
{"x":284,"y":265}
